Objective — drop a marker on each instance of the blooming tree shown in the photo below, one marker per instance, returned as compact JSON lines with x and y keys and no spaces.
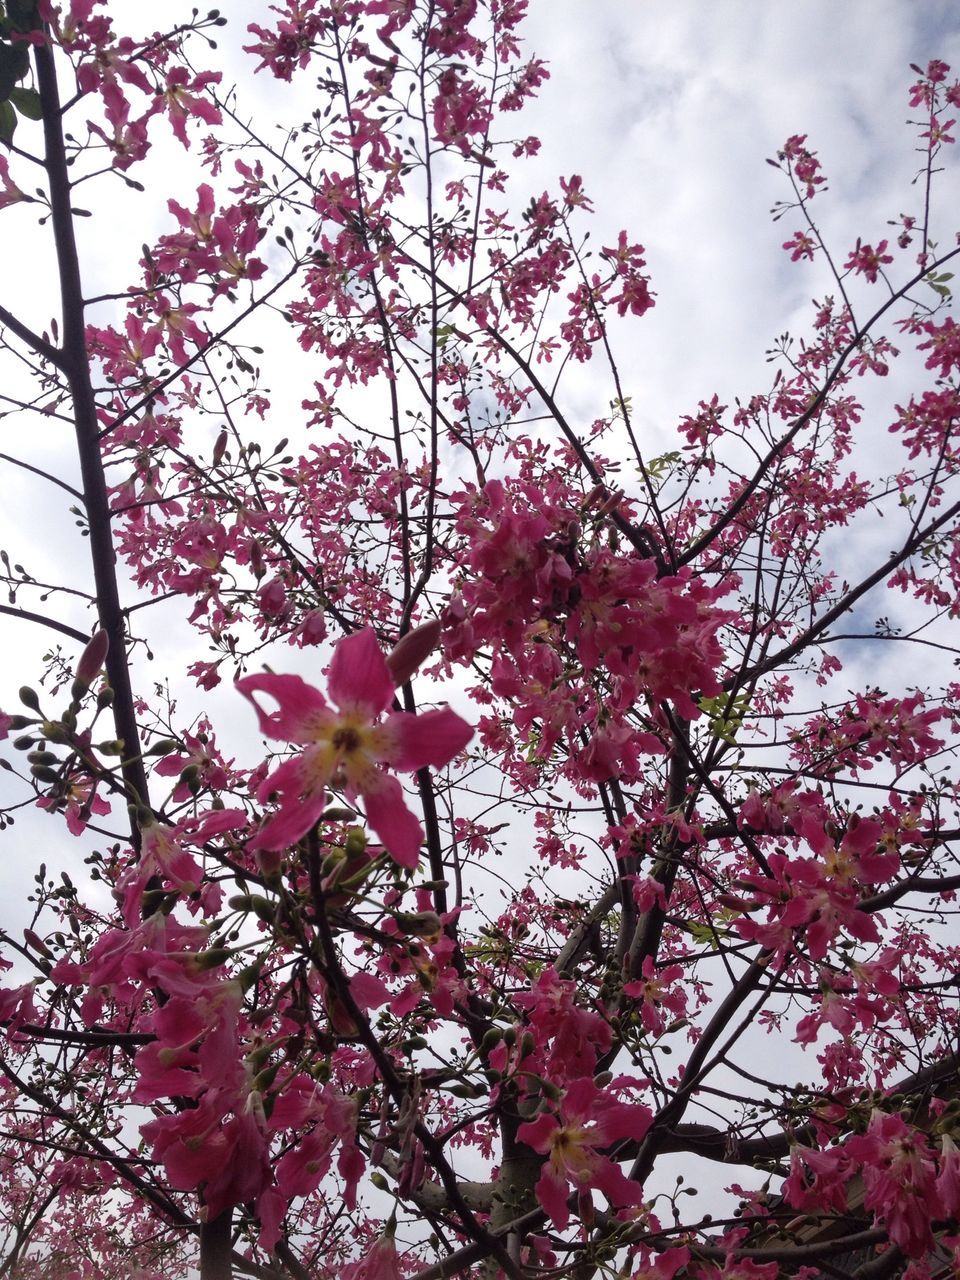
{"x":569,"y":835}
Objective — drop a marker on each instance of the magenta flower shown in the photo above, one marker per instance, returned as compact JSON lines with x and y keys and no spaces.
{"x":345,"y":748}
{"x":380,"y":1262}
{"x":573,"y":1141}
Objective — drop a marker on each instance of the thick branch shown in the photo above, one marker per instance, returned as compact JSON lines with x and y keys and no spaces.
{"x":33,"y":340}
{"x":77,"y":369}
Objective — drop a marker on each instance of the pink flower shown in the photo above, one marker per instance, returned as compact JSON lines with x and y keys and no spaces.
{"x":225,"y":1154}
{"x":10,"y":193}
{"x":803,"y":164}
{"x":948,"y":1179}
{"x":380,"y":1262}
{"x":345,"y":748}
{"x":899,"y":1178}
{"x":78,"y":800}
{"x":588,"y":1119}
{"x":658,"y":992}
{"x":818,"y":1179}
{"x":867,"y":260}
{"x":181,"y":99}
{"x":801,"y":246}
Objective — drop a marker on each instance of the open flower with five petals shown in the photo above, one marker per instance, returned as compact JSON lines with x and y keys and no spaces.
{"x":573,"y":1140}
{"x":345,"y":747}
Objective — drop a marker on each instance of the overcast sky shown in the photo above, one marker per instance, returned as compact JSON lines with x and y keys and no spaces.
{"x":669,"y":112}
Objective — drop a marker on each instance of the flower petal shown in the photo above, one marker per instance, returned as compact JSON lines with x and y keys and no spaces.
{"x":552,"y":1192}
{"x":431,"y":738}
{"x":388,"y":815}
{"x":302,"y":708}
{"x":359,"y":676}
{"x":301,"y":804}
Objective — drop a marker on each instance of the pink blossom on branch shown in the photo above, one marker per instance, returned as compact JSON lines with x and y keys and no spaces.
{"x":573,"y":1139}
{"x":802,"y":164}
{"x":801,"y":246}
{"x":10,"y":193}
{"x":868,"y":261}
{"x":347,"y":747}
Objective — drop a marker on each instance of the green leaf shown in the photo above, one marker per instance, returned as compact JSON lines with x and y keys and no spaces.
{"x":8,"y":122}
{"x":27,"y":102}
{"x":22,"y":14}
{"x":14,"y":65}
{"x":657,"y":466}
{"x":726,"y":716}
{"x":705,"y":935}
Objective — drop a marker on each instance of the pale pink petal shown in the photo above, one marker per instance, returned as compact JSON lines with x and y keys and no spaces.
{"x":358,"y":676}
{"x":388,"y":815}
{"x":431,"y":738}
{"x":171,"y":765}
{"x":351,"y":1165}
{"x":622,"y":1120}
{"x":302,"y":708}
{"x":76,"y":822}
{"x":406,"y":1001}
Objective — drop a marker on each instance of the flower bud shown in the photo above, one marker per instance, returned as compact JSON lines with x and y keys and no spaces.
{"x":29,"y":698}
{"x":212,"y":959}
{"x":265,"y":1078}
{"x":339,"y":813}
{"x":356,"y":842}
{"x":423,"y":924}
{"x":220,"y":448}
{"x":91,"y":663}
{"x":263,"y":908}
{"x":37,"y":944}
{"x":250,"y":975}
{"x":491,"y":1038}
{"x":412,"y":650}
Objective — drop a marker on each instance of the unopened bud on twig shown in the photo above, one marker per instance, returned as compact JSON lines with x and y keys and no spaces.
{"x":90,"y":664}
{"x":412,"y":650}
